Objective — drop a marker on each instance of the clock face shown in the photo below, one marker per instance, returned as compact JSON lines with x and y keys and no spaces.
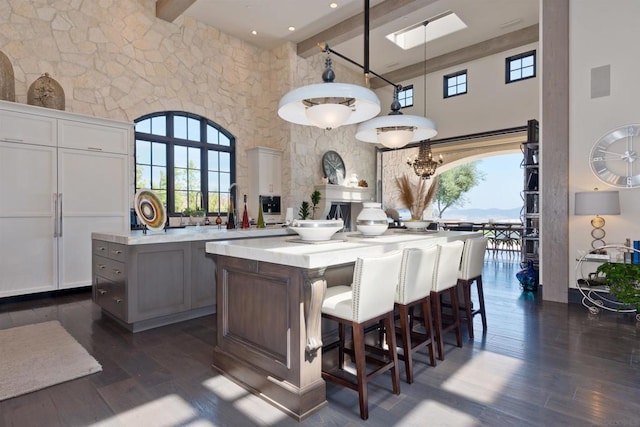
{"x":614,"y":157}
{"x":333,"y":167}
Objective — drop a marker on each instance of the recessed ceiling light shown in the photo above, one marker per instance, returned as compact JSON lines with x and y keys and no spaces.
{"x":438,"y":26}
{"x":254,"y":32}
{"x":333,"y":5}
{"x":292,"y":28}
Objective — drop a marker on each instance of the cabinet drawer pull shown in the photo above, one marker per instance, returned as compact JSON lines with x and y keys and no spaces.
{"x":117,"y":300}
{"x":94,"y":148}
{"x":102,"y":291}
{"x":101,"y":266}
{"x":101,"y":248}
{"x":117,"y":271}
{"x":117,"y":252}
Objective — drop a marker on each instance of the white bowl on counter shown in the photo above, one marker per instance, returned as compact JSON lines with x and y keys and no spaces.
{"x":417,"y":225}
{"x":316,"y":229}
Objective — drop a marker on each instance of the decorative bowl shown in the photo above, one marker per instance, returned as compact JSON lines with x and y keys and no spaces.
{"x":417,"y":225}
{"x":316,"y":230}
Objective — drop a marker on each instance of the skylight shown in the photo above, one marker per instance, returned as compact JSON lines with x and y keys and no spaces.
{"x":439,"y":26}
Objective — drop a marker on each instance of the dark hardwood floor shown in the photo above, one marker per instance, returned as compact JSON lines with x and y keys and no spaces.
{"x":539,"y":364}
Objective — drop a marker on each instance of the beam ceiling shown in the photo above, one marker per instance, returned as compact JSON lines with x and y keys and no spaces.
{"x":169,"y":10}
{"x":379,"y":15}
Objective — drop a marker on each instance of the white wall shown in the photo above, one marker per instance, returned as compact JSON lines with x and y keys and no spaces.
{"x":601,"y":34}
{"x":489,"y":103}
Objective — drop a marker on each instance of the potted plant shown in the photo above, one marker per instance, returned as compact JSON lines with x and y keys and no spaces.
{"x":416,"y":197}
{"x":304,"y":212}
{"x":623,"y":281}
{"x":315,"y":200}
{"x":196,"y":216}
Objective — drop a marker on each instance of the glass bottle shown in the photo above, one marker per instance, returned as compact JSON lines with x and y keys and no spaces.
{"x":245,"y":215}
{"x":260,"y":223}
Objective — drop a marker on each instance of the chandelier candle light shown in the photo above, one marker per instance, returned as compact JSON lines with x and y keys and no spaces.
{"x":423,"y":163}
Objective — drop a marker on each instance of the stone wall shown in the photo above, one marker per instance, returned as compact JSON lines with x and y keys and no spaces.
{"x":115,"y":59}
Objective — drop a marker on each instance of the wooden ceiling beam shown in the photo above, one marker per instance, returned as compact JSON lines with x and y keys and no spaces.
{"x":379,"y":15}
{"x":492,"y":46}
{"x":169,"y":10}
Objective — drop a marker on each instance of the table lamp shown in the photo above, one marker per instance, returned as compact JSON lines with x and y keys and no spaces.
{"x":597,"y":203}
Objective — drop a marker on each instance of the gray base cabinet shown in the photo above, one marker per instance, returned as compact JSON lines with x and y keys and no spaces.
{"x":146,"y":286}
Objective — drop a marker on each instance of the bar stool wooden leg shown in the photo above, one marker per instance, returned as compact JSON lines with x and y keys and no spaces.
{"x":482,"y":312}
{"x":360,"y":359}
{"x":437,"y":323}
{"x":393,"y":354}
{"x":405,"y":333}
{"x":453,"y":292}
{"x":426,"y":313}
{"x":466,"y":292}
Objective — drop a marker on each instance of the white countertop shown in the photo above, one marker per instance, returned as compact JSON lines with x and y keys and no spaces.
{"x":188,"y":234}
{"x":343,"y":248}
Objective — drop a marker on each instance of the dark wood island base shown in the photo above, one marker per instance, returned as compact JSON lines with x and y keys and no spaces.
{"x":268,"y":337}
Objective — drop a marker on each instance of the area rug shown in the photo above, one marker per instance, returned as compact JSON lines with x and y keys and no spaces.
{"x":36,"y":356}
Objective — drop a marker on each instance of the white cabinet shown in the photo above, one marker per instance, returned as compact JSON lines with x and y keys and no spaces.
{"x":52,"y":198}
{"x":265,"y":175}
{"x":28,"y":187}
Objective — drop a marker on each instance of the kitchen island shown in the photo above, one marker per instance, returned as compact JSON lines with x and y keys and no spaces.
{"x":269,"y":297}
{"x":143,"y":281}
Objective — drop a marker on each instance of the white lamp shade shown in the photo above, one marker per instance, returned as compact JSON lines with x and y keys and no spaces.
{"x":424,"y":127}
{"x":328,"y":116}
{"x":292,"y":108}
{"x":396,"y":138}
{"x":597,"y":203}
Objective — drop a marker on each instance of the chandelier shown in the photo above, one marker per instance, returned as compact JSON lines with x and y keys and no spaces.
{"x":423,"y":163}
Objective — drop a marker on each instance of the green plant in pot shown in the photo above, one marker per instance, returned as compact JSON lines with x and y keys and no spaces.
{"x":196,"y":216}
{"x":623,"y":281}
{"x":304,"y":211}
{"x":315,"y":200}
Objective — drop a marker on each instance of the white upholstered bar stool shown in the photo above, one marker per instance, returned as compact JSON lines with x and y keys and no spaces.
{"x":414,"y":289}
{"x":471,"y":272}
{"x":368,"y":300}
{"x":446,"y":281}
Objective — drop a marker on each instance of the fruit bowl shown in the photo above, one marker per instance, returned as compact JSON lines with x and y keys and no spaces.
{"x":316,"y":229}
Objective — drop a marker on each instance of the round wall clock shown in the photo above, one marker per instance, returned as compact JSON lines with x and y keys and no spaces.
{"x":614,"y":159}
{"x":333,"y":167}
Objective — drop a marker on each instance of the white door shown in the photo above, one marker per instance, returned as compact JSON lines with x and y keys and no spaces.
{"x":28,"y":255}
{"x":93,"y":192}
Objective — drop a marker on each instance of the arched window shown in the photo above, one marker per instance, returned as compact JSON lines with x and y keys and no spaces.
{"x":188,"y":160}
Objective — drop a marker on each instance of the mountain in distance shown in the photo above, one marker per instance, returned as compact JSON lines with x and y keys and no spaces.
{"x":483,"y":215}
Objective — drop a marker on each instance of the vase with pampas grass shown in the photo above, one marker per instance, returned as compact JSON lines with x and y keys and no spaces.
{"x":416,"y":197}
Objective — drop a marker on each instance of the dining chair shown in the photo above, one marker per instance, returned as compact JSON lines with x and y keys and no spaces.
{"x":471,"y":272}
{"x":445,"y":282}
{"x":369,"y":299}
{"x":414,"y":291}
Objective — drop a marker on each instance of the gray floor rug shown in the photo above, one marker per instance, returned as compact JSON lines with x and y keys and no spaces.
{"x":36,"y":356}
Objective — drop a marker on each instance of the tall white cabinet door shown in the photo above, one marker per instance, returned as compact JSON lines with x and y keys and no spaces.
{"x":93,"y":193}
{"x":28,"y":254}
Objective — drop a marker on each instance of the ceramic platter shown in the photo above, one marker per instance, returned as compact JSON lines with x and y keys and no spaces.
{"x":150,"y":210}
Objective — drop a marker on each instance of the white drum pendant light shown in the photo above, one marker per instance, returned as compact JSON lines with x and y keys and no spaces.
{"x":396,"y":130}
{"x":329,"y":105}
